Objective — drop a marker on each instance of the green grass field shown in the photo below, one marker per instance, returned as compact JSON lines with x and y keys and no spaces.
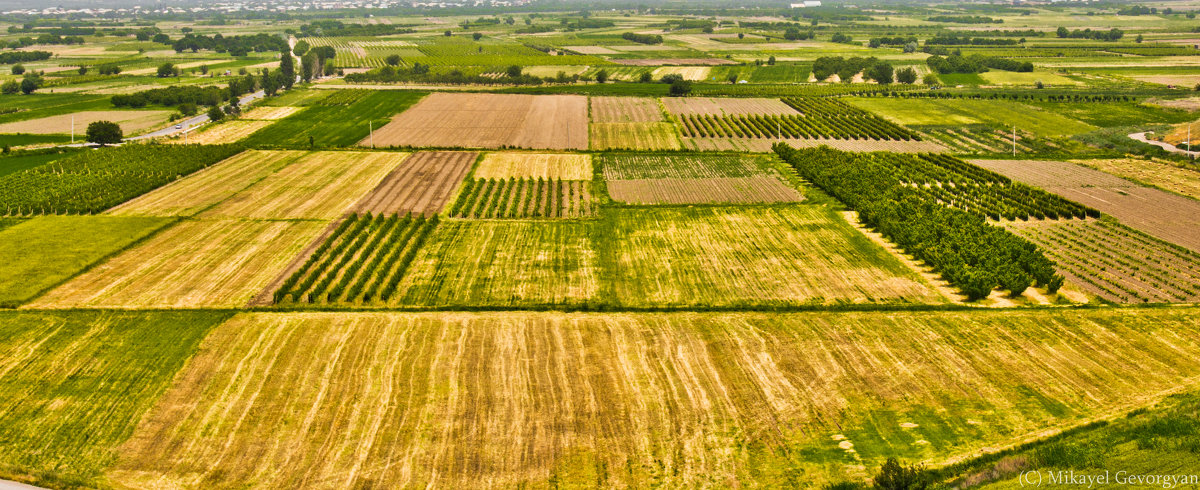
{"x":16,"y":162}
{"x":996,"y":112}
{"x":42,"y":252}
{"x":334,"y":125}
{"x":74,"y":384}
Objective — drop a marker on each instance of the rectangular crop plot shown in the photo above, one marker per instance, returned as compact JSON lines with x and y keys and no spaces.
{"x":618,"y":166}
{"x":710,"y":106}
{"x":1170,"y":217}
{"x":625,"y":110}
{"x":269,"y":113}
{"x":227,"y":132}
{"x":490,"y":121}
{"x":462,"y":400}
{"x":421,"y":184}
{"x":42,"y":252}
{"x":503,"y":263}
{"x":362,"y":261}
{"x":520,"y":165}
{"x":763,"y":145}
{"x":809,"y":118}
{"x":199,"y":191}
{"x":730,"y":190}
{"x":524,"y":198}
{"x":753,"y":256}
{"x":73,"y":385}
{"x":320,"y":185}
{"x":1115,"y":262}
{"x":208,"y":263}
{"x":634,"y":136}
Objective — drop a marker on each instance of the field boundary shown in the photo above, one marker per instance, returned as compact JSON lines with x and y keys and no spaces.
{"x":267,"y":295}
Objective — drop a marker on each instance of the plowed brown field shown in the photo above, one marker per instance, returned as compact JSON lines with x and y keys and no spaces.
{"x":422,"y":184}
{"x":489,"y":121}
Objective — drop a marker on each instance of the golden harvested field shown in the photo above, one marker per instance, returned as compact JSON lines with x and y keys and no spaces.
{"x":758,"y":256}
{"x":693,"y":73}
{"x":728,"y":190}
{"x":557,"y":122}
{"x":502,"y":263}
{"x":269,"y":113}
{"x":520,"y":165}
{"x":422,"y":184}
{"x":1167,"y":216}
{"x":226,"y":132}
{"x":461,"y":400}
{"x":209,"y":186}
{"x":203,"y":263}
{"x":625,"y":110}
{"x":681,"y":106}
{"x":634,"y":136}
{"x":320,"y":185}
{"x":1179,"y":135}
{"x":1158,"y":173}
{"x":763,"y":145}
{"x":130,"y":121}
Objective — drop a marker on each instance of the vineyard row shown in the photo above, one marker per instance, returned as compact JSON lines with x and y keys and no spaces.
{"x":523,"y":198}
{"x":770,"y":126}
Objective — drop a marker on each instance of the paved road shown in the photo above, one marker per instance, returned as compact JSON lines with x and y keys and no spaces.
{"x":1166,"y":146}
{"x":193,"y":122}
{"x":12,"y":485}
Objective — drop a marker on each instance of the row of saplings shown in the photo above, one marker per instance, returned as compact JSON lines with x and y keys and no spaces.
{"x":968,"y":252}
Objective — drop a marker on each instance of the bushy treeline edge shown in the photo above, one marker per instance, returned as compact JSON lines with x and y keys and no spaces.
{"x":971,"y":254}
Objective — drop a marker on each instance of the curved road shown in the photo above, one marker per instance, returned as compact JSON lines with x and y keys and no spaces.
{"x":193,"y":122}
{"x":1166,"y":146}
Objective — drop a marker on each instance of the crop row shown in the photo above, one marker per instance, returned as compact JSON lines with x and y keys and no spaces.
{"x":362,"y":261}
{"x":967,"y":251}
{"x":822,"y":106}
{"x":93,"y":181}
{"x":523,"y":198}
{"x":770,"y":126}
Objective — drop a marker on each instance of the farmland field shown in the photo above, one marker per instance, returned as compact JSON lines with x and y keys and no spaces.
{"x":42,"y":252}
{"x":628,"y":166}
{"x":708,"y":106}
{"x":465,"y":400}
{"x":227,"y":132}
{"x":73,"y":385}
{"x":269,"y":113}
{"x":503,"y":263}
{"x":130,"y":121}
{"x":319,"y":185}
{"x":521,"y":165}
{"x":205,"y":263}
{"x":208,"y":187}
{"x":625,"y":110}
{"x":1164,"y":175}
{"x":648,"y":136}
{"x":489,"y":121}
{"x":1169,"y":217}
{"x":781,"y":256}
{"x":524,"y":198}
{"x":338,"y":120}
{"x":729,"y":190}
{"x":763,"y":145}
{"x":421,"y":184}
{"x":1003,"y":114}
{"x":1117,"y":263}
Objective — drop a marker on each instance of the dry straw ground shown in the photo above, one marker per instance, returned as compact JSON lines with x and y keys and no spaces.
{"x":625,"y":110}
{"x":489,"y":121}
{"x":320,"y":185}
{"x":1173,"y":177}
{"x":521,"y":165}
{"x":269,"y":113}
{"x":130,"y":122}
{"x":214,"y":184}
{"x":457,"y":400}
{"x":206,"y":263}
{"x":725,"y":106}
{"x":227,"y":132}
{"x":1170,"y":217}
{"x":422,"y":184}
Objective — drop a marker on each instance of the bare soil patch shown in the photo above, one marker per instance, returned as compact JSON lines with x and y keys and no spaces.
{"x":490,"y":121}
{"x":1167,"y":216}
{"x":726,"y":106}
{"x":130,"y":122}
{"x":422,"y":184}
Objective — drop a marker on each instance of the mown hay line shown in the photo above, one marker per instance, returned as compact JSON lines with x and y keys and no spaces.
{"x":564,"y":166}
{"x":209,"y":186}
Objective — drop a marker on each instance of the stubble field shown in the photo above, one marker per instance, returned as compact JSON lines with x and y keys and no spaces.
{"x":521,"y":165}
{"x":208,"y":187}
{"x":466,"y":400}
{"x":421,"y":184}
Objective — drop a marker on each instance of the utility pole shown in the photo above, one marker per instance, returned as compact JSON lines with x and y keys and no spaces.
{"x":371,"y":129}
{"x":1014,"y":140}
{"x":73,"y":129}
